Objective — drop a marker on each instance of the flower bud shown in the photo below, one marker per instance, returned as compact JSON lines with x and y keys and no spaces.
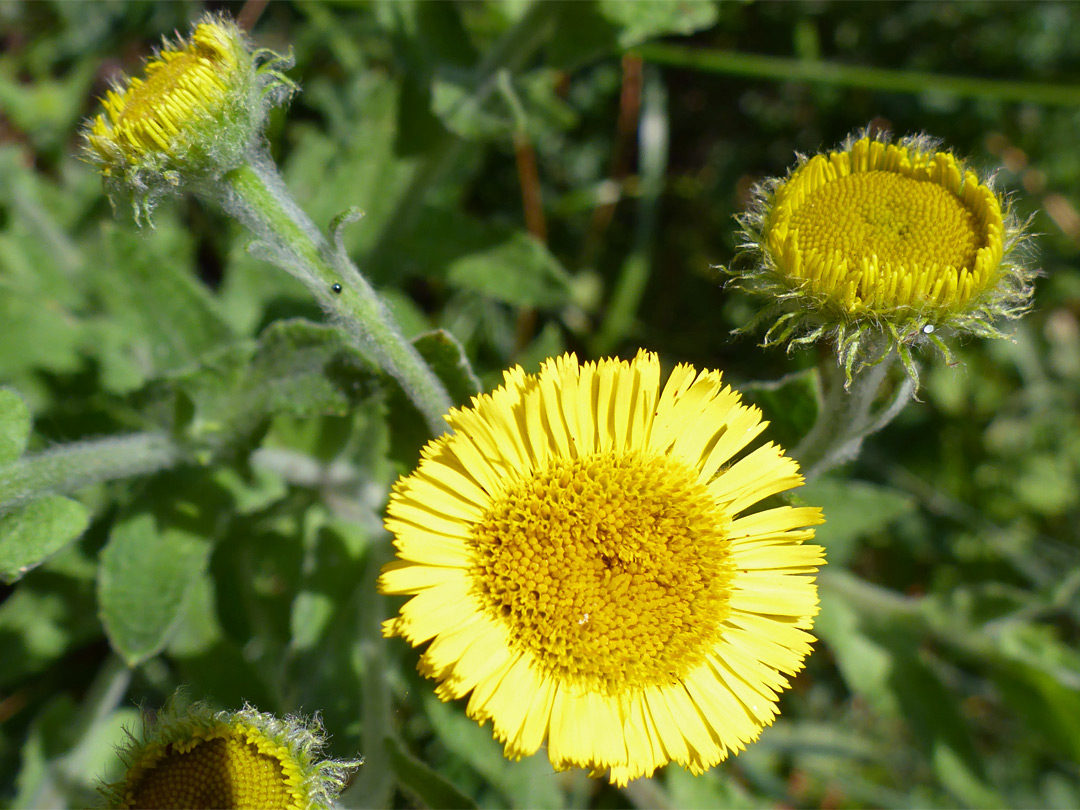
{"x":197,"y":113}
{"x":245,"y":759}
{"x":880,"y":246}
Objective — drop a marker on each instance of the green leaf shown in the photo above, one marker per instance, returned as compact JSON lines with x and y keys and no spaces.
{"x":449,"y":235}
{"x":448,"y":360}
{"x":524,"y":784}
{"x":162,"y":318}
{"x":42,"y":270}
{"x":518,"y":271}
{"x":211,"y":663}
{"x":142,"y":584}
{"x":853,"y":509}
{"x":428,"y":34}
{"x":933,"y":714}
{"x":582,"y":34}
{"x":253,"y":489}
{"x":957,"y":771}
{"x":453,"y":101}
{"x":31,"y":318}
{"x":306,"y":369}
{"x":332,"y":552}
{"x":880,"y":660}
{"x":47,"y":109}
{"x":534,"y":105}
{"x":433,"y":790}
{"x":691,"y":790}
{"x":1045,"y":482}
{"x":61,"y":768}
{"x":790,"y":404}
{"x":50,"y":613}
{"x":586,"y":31}
{"x":646,"y":19}
{"x":30,"y":533}
{"x":547,"y":113}
{"x":863,"y":661}
{"x":551,"y":342}
{"x":296,"y":368}
{"x":426,"y":37}
{"x":14,"y":425}
{"x":1049,"y":707}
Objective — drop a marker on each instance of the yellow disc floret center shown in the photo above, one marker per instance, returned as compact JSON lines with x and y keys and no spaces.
{"x":904,"y":222}
{"x":882,"y":228}
{"x":612,"y":569}
{"x":222,"y":772}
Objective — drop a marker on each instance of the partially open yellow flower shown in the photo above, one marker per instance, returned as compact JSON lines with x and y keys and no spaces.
{"x":881,"y":244}
{"x":244,"y":759}
{"x":578,"y":558}
{"x":195,"y":115}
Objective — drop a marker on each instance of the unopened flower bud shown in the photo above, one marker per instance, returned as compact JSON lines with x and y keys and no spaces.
{"x":197,"y":113}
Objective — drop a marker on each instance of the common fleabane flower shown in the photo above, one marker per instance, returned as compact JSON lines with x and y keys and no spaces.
{"x":579,"y":560}
{"x":195,"y":114}
{"x":878,"y":246}
{"x":194,"y":757}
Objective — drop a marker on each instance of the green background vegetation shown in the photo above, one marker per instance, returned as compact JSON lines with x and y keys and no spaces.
{"x":947,"y":672}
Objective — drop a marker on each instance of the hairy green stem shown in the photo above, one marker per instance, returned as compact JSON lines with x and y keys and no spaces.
{"x":846,"y":416}
{"x":71,"y":466}
{"x":255,"y":194}
{"x":835,"y":436}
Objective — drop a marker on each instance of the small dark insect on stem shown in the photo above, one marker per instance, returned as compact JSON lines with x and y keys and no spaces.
{"x":336,"y":288}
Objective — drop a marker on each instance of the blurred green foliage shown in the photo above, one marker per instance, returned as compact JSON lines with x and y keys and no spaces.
{"x":947,"y":672}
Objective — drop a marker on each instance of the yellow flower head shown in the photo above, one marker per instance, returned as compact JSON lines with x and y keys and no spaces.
{"x":195,"y":114}
{"x":578,"y":559}
{"x":244,"y":759}
{"x":880,"y":245}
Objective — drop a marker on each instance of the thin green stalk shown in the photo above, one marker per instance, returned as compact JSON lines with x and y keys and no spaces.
{"x":787,"y":69}
{"x":71,"y":466}
{"x":374,"y":783}
{"x":256,"y":195}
